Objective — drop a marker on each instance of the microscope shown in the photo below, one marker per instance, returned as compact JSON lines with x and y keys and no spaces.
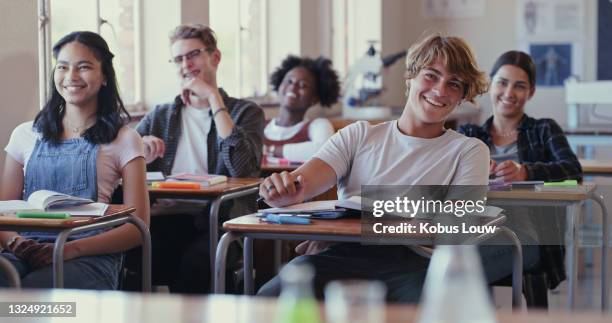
{"x":363,"y":85}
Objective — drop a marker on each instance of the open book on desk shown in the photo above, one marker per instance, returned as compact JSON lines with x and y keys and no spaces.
{"x":45,"y":200}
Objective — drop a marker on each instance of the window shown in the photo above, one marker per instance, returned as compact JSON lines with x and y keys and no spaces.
{"x":116,"y":20}
{"x":351,"y":37}
{"x":241,"y":29}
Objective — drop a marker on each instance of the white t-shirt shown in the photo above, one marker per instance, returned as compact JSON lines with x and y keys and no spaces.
{"x":192,"y":149}
{"x":364,"y":154}
{"x":319,"y":130}
{"x":109,"y":163}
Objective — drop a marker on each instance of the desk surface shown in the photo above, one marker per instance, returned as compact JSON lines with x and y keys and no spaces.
{"x":232,"y":185}
{"x":340,"y":227}
{"x":587,"y":131}
{"x":251,"y":223}
{"x":532,"y":194}
{"x":121,"y":307}
{"x":113,"y":211}
{"x":594,"y":166}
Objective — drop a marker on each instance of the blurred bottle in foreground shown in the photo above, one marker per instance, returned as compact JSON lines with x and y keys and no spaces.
{"x":297,"y":303}
{"x":455,"y":289}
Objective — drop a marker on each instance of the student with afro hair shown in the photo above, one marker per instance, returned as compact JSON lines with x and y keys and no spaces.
{"x":301,"y":83}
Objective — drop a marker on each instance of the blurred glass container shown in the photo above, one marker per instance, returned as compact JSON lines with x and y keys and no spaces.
{"x":297,"y":303}
{"x":455,"y":289}
{"x":355,"y":301}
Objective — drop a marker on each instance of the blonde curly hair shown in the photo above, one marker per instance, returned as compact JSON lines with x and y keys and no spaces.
{"x":455,"y":54}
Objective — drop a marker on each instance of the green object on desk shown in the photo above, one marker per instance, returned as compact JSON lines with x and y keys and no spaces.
{"x":569,"y":182}
{"x":299,"y":311}
{"x":43,"y":215}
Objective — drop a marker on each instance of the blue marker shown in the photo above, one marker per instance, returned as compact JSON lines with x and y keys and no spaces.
{"x":283,"y":219}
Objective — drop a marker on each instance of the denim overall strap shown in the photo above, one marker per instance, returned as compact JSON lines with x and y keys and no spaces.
{"x":68,"y":167}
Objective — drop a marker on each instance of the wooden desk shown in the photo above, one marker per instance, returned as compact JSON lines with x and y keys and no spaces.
{"x":217,"y":194}
{"x":115,"y":215}
{"x":572,"y":202}
{"x":121,"y":307}
{"x":583,"y":140}
{"x":338,"y":230}
{"x":231,"y":186}
{"x":596,"y":167}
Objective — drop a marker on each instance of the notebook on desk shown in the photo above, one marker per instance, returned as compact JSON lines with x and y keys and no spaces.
{"x":331,"y":209}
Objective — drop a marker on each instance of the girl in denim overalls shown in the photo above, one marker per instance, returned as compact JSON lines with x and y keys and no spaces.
{"x":77,"y":145}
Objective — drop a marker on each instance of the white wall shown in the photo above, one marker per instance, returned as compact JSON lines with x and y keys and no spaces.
{"x":19,"y":66}
{"x":395,"y":25}
{"x":284,"y":32}
{"x":195,"y":11}
{"x":315,"y":36}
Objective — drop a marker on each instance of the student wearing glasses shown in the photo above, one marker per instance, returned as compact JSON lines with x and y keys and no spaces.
{"x":203,"y":131}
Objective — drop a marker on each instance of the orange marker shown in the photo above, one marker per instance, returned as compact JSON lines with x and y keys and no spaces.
{"x":177,"y":185}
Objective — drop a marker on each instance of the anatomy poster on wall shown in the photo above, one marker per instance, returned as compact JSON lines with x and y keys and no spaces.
{"x":552,"y":31}
{"x":553,"y":63}
{"x":550,"y":19}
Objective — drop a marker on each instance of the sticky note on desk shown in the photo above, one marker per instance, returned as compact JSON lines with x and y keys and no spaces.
{"x":177,"y":185}
{"x":569,"y":182}
{"x":43,"y":215}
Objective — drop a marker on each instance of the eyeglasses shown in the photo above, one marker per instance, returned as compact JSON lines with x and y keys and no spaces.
{"x":178,"y":60}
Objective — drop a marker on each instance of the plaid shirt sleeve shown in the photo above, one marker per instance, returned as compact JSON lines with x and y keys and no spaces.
{"x":241,"y":151}
{"x":555,"y":160}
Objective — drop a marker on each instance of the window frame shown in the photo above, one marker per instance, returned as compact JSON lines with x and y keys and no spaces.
{"x":45,"y":53}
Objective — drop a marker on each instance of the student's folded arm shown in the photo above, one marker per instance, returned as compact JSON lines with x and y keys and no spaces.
{"x":125,"y":236}
{"x":241,"y":150}
{"x":565,"y":164}
{"x":12,"y":180}
{"x":11,"y":189}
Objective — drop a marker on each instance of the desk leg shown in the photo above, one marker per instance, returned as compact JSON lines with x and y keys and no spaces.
{"x":278,"y":248}
{"x":58,"y":258}
{"x":604,"y":248}
{"x":517,"y":261}
{"x":249,"y":284}
{"x":517,"y":267}
{"x":11,"y":273}
{"x":220,"y":259}
{"x":571,"y":255}
{"x":215,"y":206}
{"x":145,"y":234}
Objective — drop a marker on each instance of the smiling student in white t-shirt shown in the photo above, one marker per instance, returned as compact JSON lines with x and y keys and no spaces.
{"x":416,"y":149}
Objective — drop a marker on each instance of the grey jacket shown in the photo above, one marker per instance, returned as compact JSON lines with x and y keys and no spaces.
{"x":238,"y":155}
